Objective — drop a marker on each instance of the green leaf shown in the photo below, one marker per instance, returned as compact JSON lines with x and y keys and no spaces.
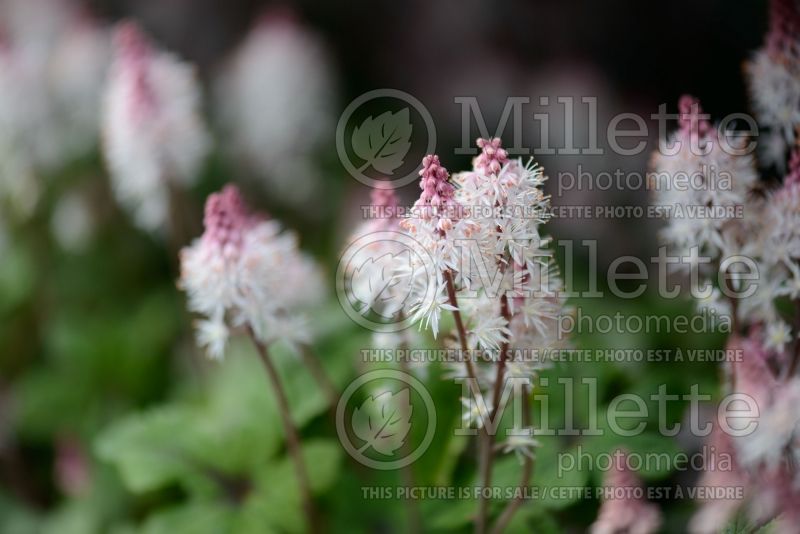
{"x":546,"y":476}
{"x":656,"y":453}
{"x":72,"y":519}
{"x":322,"y":457}
{"x":152,"y":449}
{"x":450,"y":515}
{"x":530,"y":519}
{"x":17,"y":276}
{"x":195,"y":518}
{"x":275,"y":502}
{"x":240,"y":417}
{"x":15,"y":519}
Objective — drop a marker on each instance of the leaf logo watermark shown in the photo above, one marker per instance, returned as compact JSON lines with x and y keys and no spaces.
{"x":376,"y":286}
{"x":384,"y":141}
{"x":377,"y":431}
{"x":376,"y":147}
{"x":377,"y":275}
{"x":383,"y":421}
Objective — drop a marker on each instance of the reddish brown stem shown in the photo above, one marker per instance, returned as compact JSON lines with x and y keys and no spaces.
{"x":525,"y":479}
{"x":487,"y":450}
{"x":462,"y":333}
{"x":407,"y":472}
{"x":292,"y":435}
{"x":484,"y":441}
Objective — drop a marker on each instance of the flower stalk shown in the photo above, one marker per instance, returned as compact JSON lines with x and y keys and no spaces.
{"x":484,"y":444}
{"x":292,"y":435}
{"x":487,"y":439}
{"x":525,"y":479}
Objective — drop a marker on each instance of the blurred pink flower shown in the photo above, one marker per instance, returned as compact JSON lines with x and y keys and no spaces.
{"x":773,"y":76}
{"x":72,"y":466}
{"x":438,"y":193}
{"x":275,"y":101}
{"x":626,"y":510}
{"x":725,"y":472}
{"x":154,"y":136}
{"x":245,"y":272}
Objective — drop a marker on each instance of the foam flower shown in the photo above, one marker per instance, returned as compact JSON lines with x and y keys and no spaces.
{"x":53,"y":60}
{"x":490,"y":264}
{"x":623,"y":510}
{"x":154,"y":137}
{"x":246,"y":272}
{"x":717,"y":178}
{"x":767,"y":231}
{"x":374,"y":269}
{"x":780,"y":237}
{"x":275,"y":101}
{"x":773,"y":75}
{"x":715,"y":514}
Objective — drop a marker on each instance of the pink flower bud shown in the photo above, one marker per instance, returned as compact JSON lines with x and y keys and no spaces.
{"x":492,"y":158}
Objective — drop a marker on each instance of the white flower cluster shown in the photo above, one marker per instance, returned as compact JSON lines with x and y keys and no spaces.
{"x":695,"y":169}
{"x":275,"y":102}
{"x":53,"y":59}
{"x":487,"y":261}
{"x":487,"y":256}
{"x":765,"y":235}
{"x":154,"y":136}
{"x":244,"y":272}
{"x":761,"y":461}
{"x":775,"y":86}
{"x":779,"y":242}
{"x":773,"y":75}
{"x":371,"y":270}
{"x":763,"y":228}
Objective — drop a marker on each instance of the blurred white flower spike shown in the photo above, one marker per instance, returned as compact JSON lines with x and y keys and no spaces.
{"x":765,"y":233}
{"x":625,"y":509}
{"x":53,"y":58}
{"x":716,"y":178}
{"x":244,"y":272}
{"x":79,"y":70}
{"x":154,"y":136}
{"x":773,"y":75}
{"x":276,"y":105}
{"x":21,"y":110}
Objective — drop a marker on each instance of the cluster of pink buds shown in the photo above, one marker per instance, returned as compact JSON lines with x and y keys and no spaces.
{"x":692,"y":121}
{"x":437,"y":192}
{"x":492,"y":157}
{"x":784,"y":28}
{"x":226,"y":221}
